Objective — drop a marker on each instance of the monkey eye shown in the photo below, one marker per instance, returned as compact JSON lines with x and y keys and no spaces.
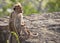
{"x":19,"y":7}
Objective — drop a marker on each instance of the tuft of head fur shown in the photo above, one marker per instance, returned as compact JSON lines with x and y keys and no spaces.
{"x":17,"y":8}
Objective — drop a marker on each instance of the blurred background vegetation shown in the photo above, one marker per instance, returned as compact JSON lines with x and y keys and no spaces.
{"x":30,"y":6}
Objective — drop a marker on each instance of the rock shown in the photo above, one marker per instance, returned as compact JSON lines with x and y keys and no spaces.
{"x":46,"y":25}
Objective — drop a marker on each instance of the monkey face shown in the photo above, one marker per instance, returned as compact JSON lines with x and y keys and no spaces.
{"x":17,"y":8}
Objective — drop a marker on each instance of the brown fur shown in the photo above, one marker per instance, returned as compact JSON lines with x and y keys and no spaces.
{"x":16,"y":22}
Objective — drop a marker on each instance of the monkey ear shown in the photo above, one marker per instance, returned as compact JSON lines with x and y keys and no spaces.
{"x":13,"y":8}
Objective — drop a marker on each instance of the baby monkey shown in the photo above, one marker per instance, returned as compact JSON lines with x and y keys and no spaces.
{"x":16,"y":22}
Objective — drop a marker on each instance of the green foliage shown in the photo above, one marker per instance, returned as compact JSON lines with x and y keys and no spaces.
{"x":28,"y":9}
{"x":30,"y":6}
{"x":13,"y":0}
{"x":53,"y":5}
